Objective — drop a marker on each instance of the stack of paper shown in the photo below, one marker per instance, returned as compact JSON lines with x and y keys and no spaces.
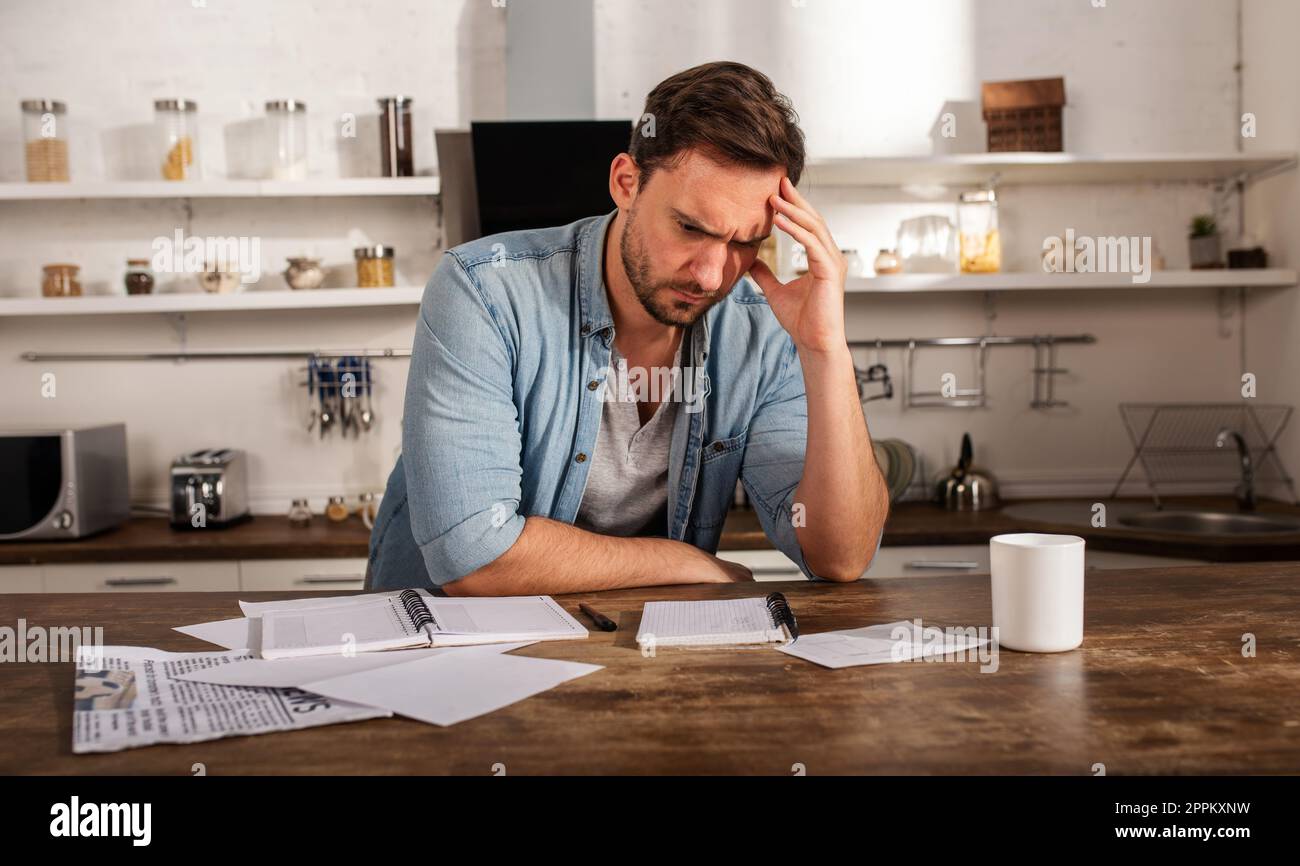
{"x":441,"y":685}
{"x":875,"y":645}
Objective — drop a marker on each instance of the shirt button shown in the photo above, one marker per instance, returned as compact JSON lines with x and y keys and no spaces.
{"x":593,"y":385}
{"x":717,"y":446}
{"x":586,"y":329}
{"x":581,"y":458}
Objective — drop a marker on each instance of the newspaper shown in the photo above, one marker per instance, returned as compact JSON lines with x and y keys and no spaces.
{"x":130,"y":696}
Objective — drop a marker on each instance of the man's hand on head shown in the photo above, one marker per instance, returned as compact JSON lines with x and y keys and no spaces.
{"x":810,"y":307}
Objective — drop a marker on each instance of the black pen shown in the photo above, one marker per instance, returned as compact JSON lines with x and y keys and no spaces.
{"x":602,"y":622}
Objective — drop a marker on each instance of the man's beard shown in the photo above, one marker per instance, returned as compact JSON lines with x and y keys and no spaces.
{"x":636,"y":264}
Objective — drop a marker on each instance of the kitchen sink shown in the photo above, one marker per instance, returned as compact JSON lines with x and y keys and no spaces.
{"x":1211,"y":522}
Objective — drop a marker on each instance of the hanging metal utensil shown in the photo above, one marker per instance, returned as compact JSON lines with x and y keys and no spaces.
{"x":1044,"y":373}
{"x":311,"y":393}
{"x":347,"y":369}
{"x":325,"y":379}
{"x":367,"y":411}
{"x":876,"y":373}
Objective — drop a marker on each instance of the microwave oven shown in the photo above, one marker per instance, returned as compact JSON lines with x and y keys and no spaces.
{"x":62,"y":483}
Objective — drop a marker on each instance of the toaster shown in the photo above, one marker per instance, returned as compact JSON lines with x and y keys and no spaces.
{"x":209,"y":489}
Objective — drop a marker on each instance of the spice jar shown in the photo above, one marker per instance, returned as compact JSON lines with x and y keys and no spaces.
{"x":45,"y":131}
{"x":60,"y":281}
{"x":219,"y":279}
{"x":304,"y":273}
{"x":300,"y":514}
{"x":336,"y":510}
{"x":395,"y":136}
{"x":139,"y":277}
{"x":852,"y":263}
{"x":286,"y":136}
{"x":177,"y":125}
{"x":374,"y":266}
{"x":977,"y":220}
{"x":887,"y":262}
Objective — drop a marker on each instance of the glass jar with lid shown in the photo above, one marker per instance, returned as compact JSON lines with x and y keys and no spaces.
{"x":977,"y":221}
{"x":60,"y":281}
{"x":395,"y":143}
{"x":286,"y":139}
{"x":887,"y":262}
{"x":177,"y":125}
{"x":139,"y":279}
{"x":45,"y":137}
{"x":374,"y":266}
{"x":300,"y":514}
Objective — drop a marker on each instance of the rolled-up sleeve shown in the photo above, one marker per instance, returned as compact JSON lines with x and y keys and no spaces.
{"x":460,"y":433}
{"x":774,"y":457}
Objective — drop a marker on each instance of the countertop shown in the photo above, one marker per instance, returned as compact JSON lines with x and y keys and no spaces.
{"x":150,"y":539}
{"x":1159,"y":686}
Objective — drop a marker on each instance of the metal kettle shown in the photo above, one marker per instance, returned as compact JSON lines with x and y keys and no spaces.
{"x":967,"y":488}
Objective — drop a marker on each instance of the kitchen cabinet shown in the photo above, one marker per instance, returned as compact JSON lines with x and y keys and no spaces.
{"x":143,"y":577}
{"x":20,"y":578}
{"x":261,"y":575}
{"x":303,"y":575}
{"x":252,"y":575}
{"x":767,"y":565}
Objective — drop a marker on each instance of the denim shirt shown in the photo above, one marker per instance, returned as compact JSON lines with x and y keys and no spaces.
{"x":504,"y":399}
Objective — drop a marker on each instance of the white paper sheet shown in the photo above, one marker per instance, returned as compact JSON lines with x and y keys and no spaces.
{"x":298,"y":672}
{"x":872,"y":645}
{"x":452,"y":687}
{"x":229,"y":633}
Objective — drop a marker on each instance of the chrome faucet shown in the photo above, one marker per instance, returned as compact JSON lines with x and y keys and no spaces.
{"x":1245,"y":490}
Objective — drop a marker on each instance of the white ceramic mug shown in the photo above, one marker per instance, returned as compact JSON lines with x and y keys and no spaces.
{"x":1037,"y":591}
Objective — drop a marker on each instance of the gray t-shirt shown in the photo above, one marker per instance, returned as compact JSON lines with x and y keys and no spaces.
{"x":627,"y":484}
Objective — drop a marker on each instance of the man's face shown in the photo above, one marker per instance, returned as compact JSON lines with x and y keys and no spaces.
{"x":692,"y":231}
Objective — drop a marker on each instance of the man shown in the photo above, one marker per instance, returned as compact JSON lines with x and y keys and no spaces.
{"x":524,"y":471}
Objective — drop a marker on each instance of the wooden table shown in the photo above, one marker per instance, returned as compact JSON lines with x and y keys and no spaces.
{"x":1159,"y":686}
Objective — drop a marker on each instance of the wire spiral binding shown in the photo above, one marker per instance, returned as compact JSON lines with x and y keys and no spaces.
{"x":416,"y":610}
{"x":779,"y":608}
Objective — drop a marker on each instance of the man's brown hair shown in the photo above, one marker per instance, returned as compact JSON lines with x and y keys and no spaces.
{"x":731,"y":112}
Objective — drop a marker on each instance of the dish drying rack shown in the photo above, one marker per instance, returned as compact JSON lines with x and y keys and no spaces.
{"x":1175,"y":442}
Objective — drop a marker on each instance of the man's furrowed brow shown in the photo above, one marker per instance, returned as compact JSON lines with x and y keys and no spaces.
{"x":713,"y":233}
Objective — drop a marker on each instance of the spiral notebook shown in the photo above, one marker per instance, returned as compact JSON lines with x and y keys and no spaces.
{"x":368,"y":623}
{"x":703,"y":623}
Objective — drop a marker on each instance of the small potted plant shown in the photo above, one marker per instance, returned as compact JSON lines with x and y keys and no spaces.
{"x":1203,"y":243}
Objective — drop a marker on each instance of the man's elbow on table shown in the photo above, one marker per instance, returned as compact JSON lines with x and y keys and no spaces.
{"x":480,"y":583}
{"x":845,"y":571}
{"x":492,"y":579}
{"x":848,"y":563}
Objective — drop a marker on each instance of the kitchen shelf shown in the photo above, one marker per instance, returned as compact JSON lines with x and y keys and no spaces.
{"x":1218,"y":278}
{"x":977,"y":169}
{"x":163,"y":189}
{"x":194,"y":302}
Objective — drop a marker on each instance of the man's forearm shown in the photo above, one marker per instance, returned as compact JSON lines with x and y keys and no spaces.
{"x":843,"y":495}
{"x":553,"y":557}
